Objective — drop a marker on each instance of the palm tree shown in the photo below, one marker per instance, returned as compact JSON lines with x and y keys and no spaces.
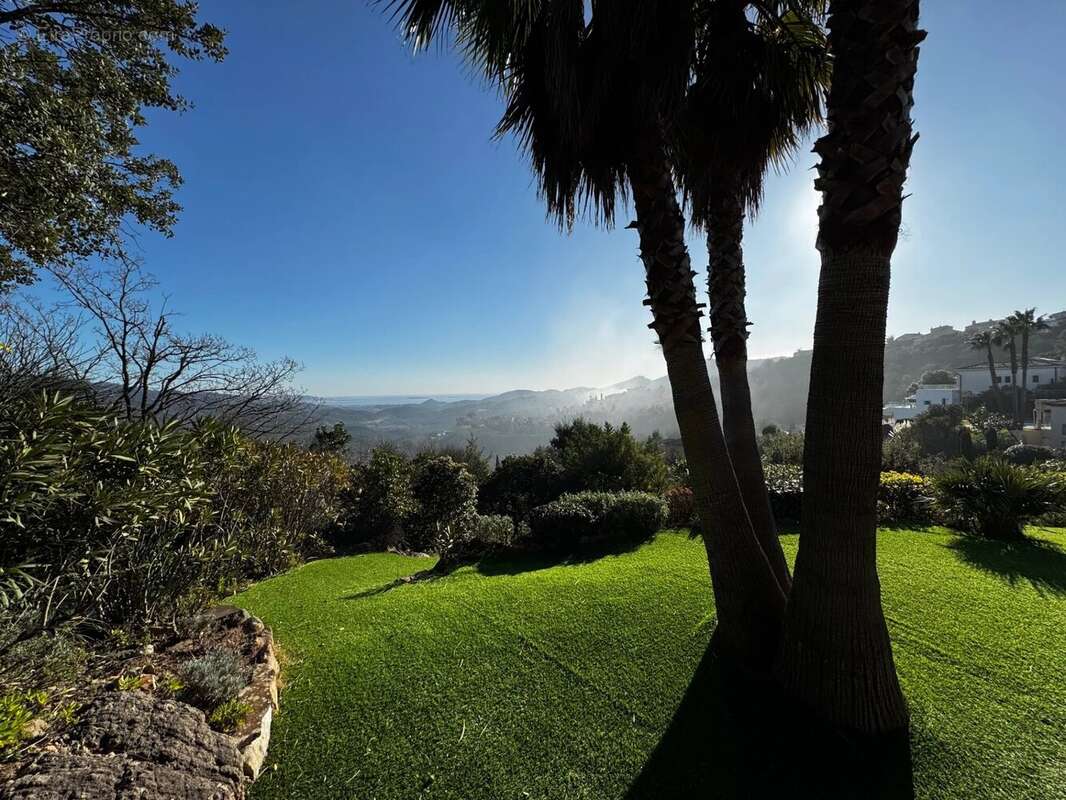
{"x":1027,"y":323}
{"x":983,"y":340}
{"x":760,"y":76}
{"x":592,"y":103}
{"x":1004,"y":334}
{"x":835,"y":625}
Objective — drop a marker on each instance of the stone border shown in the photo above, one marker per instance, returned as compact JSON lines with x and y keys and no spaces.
{"x":253,"y":736}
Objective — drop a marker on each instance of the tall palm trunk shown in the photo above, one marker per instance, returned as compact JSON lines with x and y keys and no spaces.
{"x":992,"y":370}
{"x":749,"y":601}
{"x":729,"y":333}
{"x":1025,"y":376}
{"x":1012,"y":347}
{"x":836,"y":655}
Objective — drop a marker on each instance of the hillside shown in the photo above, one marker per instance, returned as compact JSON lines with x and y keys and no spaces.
{"x":521,"y":420}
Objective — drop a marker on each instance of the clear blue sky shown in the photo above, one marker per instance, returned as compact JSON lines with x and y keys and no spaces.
{"x":344,"y":205}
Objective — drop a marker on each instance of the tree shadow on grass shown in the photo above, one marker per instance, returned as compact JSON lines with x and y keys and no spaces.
{"x":731,"y":738}
{"x":1041,"y":564}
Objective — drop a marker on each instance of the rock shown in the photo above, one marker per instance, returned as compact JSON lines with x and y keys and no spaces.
{"x":131,"y":745}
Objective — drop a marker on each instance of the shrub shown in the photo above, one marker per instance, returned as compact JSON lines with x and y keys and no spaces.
{"x":382,"y":500}
{"x":521,"y":483}
{"x":681,"y":507}
{"x":780,"y":447}
{"x":1026,"y":455}
{"x":607,"y":459}
{"x":560,"y":525}
{"x":493,"y":529}
{"x":784,"y":482}
{"x":996,"y":499}
{"x":904,"y":497}
{"x":446,"y":494}
{"x":213,"y":679}
{"x":469,"y":455}
{"x":633,"y":516}
{"x":584,"y":518}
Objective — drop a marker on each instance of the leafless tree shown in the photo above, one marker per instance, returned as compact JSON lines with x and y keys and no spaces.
{"x":110,"y":336}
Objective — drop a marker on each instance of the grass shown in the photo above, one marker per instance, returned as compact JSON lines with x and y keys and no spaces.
{"x":519,"y":680}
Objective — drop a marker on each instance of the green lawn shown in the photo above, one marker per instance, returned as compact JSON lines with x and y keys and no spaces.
{"x":558,"y":682}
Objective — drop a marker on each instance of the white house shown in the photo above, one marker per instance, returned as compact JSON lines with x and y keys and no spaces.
{"x":925,"y":397}
{"x":975,"y":378}
{"x":1049,"y":424}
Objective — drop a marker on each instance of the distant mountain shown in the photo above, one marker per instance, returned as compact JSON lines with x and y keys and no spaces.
{"x":521,"y":420}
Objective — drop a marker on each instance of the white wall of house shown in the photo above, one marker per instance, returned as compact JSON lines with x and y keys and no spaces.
{"x":1057,"y":433}
{"x":1050,"y":427}
{"x":936,"y":395}
{"x":974,"y":380}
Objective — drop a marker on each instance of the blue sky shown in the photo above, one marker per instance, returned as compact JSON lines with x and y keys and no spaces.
{"x":345,"y":205}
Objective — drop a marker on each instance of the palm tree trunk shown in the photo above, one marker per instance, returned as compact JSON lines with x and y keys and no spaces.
{"x":1025,"y":376}
{"x":749,"y":601}
{"x":992,"y":372}
{"x":1013,"y":347}
{"x":729,"y":333}
{"x":836,"y":656}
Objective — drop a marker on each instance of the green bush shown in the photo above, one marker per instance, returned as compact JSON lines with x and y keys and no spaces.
{"x":493,"y":529}
{"x":780,"y":447}
{"x":128,"y":524}
{"x":607,"y":459}
{"x":996,"y":499}
{"x":559,"y":526}
{"x":1025,"y":455}
{"x":230,"y":715}
{"x":904,"y":497}
{"x":582,"y":519}
{"x":381,"y":498}
{"x":446,"y":497}
{"x":784,"y":482}
{"x":212,"y":679}
{"x":521,"y":483}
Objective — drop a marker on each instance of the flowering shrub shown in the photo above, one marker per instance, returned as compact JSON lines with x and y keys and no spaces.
{"x":904,"y":497}
{"x":681,"y":507}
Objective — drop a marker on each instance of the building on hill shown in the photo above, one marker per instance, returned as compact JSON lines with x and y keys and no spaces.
{"x":975,"y":378}
{"x":925,"y":397}
{"x":1049,"y":424}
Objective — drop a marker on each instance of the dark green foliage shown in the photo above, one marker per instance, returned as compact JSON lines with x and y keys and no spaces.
{"x":382,"y":500}
{"x":331,"y":440}
{"x":937,"y":377}
{"x":120,"y":523}
{"x":560,"y":525}
{"x":79,"y":79}
{"x":584,"y":519}
{"x":469,"y":455}
{"x":607,"y":459}
{"x":446,"y":504}
{"x":520,"y":483}
{"x":493,"y":529}
{"x":1028,"y":454}
{"x":781,"y":447}
{"x":212,"y":679}
{"x":784,"y":482}
{"x":996,"y":499}
{"x":901,"y":452}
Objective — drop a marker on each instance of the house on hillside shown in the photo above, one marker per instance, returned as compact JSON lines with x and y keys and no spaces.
{"x":925,"y":397}
{"x":975,"y":378}
{"x":1049,"y":424}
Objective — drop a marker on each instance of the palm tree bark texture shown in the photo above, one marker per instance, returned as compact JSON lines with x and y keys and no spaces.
{"x":836,"y":655}
{"x":749,"y":600}
{"x":729,"y":334}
